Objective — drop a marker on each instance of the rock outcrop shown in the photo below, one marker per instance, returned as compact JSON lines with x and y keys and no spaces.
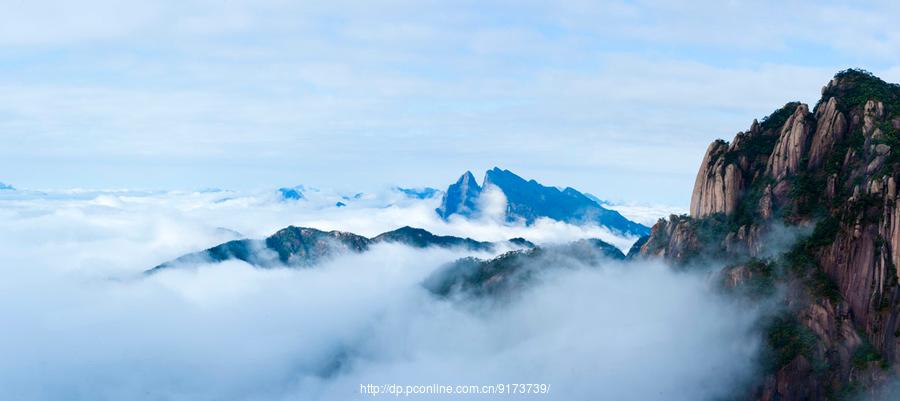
{"x":792,"y":145}
{"x":831,"y":125}
{"x":727,"y":170}
{"x":674,"y":239}
{"x":831,"y":177}
{"x":718,"y":184}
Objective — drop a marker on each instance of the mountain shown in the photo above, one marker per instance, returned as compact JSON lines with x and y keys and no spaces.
{"x":419,"y":238}
{"x":294,"y":246}
{"x":804,"y":208}
{"x":529,"y":200}
{"x":304,"y":247}
{"x":290,"y":193}
{"x":461,"y":198}
{"x":6,"y":187}
{"x":416,"y":193}
{"x":356,"y":196}
{"x":599,"y":201}
{"x":478,"y":277}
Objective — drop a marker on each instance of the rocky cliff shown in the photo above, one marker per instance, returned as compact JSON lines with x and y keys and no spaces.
{"x":830,"y":177}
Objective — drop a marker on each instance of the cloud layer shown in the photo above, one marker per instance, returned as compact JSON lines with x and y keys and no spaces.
{"x":81,"y":325}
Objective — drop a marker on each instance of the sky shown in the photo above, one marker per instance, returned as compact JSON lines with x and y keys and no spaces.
{"x":615,"y":98}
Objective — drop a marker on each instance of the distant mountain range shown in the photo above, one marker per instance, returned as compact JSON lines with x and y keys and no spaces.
{"x":526,"y":201}
{"x":300,"y":192}
{"x":529,"y":200}
{"x":417,"y":193}
{"x":291,"y":194}
{"x":304,"y":247}
{"x":6,"y":187}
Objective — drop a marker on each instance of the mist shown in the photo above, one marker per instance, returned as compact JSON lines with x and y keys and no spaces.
{"x":81,"y":323}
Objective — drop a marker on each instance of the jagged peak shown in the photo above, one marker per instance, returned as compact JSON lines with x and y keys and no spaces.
{"x":497,"y":172}
{"x":792,"y":141}
{"x":460,"y":197}
{"x":770,"y":124}
{"x":467,"y":177}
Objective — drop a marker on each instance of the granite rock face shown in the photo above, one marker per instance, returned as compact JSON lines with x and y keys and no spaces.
{"x":718,"y":184}
{"x":792,"y":145}
{"x":829,"y":178}
{"x":831,"y":126}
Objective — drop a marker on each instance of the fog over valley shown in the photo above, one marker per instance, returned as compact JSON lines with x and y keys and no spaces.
{"x":84,"y":323}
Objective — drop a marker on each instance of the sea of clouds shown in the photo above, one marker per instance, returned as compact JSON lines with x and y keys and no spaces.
{"x":81,"y":322}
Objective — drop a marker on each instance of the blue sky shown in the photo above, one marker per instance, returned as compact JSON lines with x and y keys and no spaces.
{"x":616,"y":98}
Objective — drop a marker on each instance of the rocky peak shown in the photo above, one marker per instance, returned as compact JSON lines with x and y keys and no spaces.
{"x":718,"y":182}
{"x":830,"y":176}
{"x":528,"y":200}
{"x":831,"y":126}
{"x":461,"y":198}
{"x":792,"y":145}
{"x":727,"y":169}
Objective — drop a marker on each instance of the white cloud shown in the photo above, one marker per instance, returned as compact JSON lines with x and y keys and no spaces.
{"x":80,"y":325}
{"x":492,"y":203}
{"x":413,"y":91}
{"x":647,"y":215}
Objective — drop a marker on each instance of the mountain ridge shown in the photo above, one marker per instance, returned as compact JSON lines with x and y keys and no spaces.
{"x":305,"y":247}
{"x":528,"y":200}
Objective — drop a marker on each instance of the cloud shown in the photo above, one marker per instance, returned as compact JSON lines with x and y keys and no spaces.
{"x":647,"y":215}
{"x":492,"y":203}
{"x":411,"y":90}
{"x":81,"y":326}
{"x":150,"y":227}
